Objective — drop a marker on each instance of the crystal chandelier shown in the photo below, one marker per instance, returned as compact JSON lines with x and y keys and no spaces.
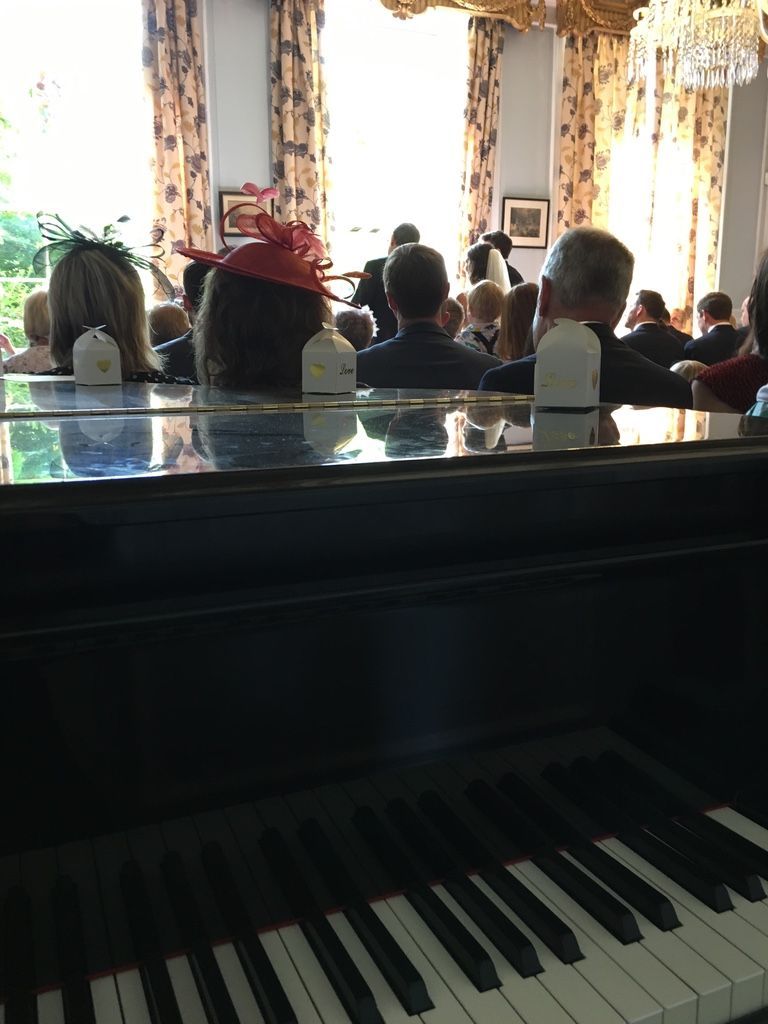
{"x":702,"y":43}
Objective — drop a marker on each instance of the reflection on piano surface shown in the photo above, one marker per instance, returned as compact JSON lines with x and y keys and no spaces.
{"x":385,"y":715}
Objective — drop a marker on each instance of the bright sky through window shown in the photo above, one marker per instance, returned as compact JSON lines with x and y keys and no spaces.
{"x":397,"y":91}
{"x":79,"y":133}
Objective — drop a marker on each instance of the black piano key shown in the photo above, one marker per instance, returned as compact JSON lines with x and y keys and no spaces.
{"x":620,"y":785}
{"x":211,"y":987}
{"x":39,"y":874}
{"x":502,"y":932}
{"x":553,"y":932}
{"x":349,"y":985}
{"x":75,"y":990}
{"x":599,"y":904}
{"x":558,"y":830}
{"x":247,"y":831}
{"x":265,"y":985}
{"x":181,"y":837}
{"x":463,"y":948}
{"x":721,"y":838}
{"x":523,"y":835}
{"x":18,"y":963}
{"x":638,"y":893}
{"x":693,"y":877}
{"x":153,"y":971}
{"x":75,"y":861}
{"x":146,"y":847}
{"x":403,"y":978}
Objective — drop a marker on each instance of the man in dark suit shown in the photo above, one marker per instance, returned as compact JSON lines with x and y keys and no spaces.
{"x":179,"y":354}
{"x":500,"y":240}
{"x":586,"y":277}
{"x":421,"y":354}
{"x":647,"y":334}
{"x":370,"y":291}
{"x":719,"y":339}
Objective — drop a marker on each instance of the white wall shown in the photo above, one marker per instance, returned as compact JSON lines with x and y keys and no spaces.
{"x":237,"y":56}
{"x":525,"y":145}
{"x":744,"y":200}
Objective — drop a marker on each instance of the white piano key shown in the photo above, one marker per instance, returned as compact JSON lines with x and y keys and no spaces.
{"x":185,"y":990}
{"x":318,"y":986}
{"x":734,"y":928}
{"x":240,"y":992}
{"x":527,"y":995}
{"x":293,"y":986}
{"x":389,"y":1006}
{"x":50,"y":1008}
{"x":132,"y":998}
{"x":711,"y":989}
{"x":746,"y":976}
{"x":106,"y":1004}
{"x":742,"y":824}
{"x":618,"y":988}
{"x":447,"y":1008}
{"x":564,"y":983}
{"x":653,"y":994}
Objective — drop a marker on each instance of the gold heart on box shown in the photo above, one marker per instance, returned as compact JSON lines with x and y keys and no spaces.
{"x":317,"y":369}
{"x":103,"y":364}
{"x":594,"y":378}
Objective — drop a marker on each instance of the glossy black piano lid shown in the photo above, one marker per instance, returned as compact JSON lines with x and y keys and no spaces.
{"x":203,"y":602}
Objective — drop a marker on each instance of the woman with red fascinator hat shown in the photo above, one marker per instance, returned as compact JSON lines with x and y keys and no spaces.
{"x":262,"y":301}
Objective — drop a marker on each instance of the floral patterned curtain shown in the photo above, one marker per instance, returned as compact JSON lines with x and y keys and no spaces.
{"x":173,"y":69}
{"x":647,"y":167}
{"x":299,"y":114}
{"x":486,"y":45}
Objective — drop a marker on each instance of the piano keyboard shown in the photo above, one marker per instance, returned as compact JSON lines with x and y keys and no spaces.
{"x":466,"y":891}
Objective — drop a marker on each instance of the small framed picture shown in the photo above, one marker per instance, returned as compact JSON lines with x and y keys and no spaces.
{"x":229,"y":197}
{"x":526,"y":221}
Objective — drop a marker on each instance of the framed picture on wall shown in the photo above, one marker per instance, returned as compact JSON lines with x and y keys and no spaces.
{"x":526,"y":221}
{"x":229,"y":197}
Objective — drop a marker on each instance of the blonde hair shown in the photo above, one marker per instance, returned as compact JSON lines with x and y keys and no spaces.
{"x":90,"y":287}
{"x":167,"y":320}
{"x":37,"y":323}
{"x":689,"y":368}
{"x":517,"y":311}
{"x":484,"y":302}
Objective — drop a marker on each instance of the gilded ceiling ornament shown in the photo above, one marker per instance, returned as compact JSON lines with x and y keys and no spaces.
{"x":521,"y":14}
{"x":583,"y":16}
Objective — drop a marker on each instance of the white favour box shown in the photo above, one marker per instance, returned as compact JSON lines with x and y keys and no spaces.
{"x":96,"y":358}
{"x":567,"y":374}
{"x":328,"y":364}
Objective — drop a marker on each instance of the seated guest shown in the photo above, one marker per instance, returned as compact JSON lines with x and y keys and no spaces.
{"x":744,"y":330}
{"x":483,"y":311}
{"x":421,"y":354}
{"x":370,"y":291}
{"x":718,"y":339}
{"x":647,"y":334}
{"x":262,"y":302}
{"x":731,"y":385}
{"x":500,"y":240}
{"x":688,"y":368}
{"x":37,"y":327}
{"x":94,"y":282}
{"x":179,"y":355}
{"x":586,"y":277}
{"x":453,"y":314}
{"x":517,"y":309}
{"x":357,"y":326}
{"x":167,"y":320}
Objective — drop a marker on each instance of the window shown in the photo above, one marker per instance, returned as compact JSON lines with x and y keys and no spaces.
{"x":396,"y":97}
{"x":75,"y":129}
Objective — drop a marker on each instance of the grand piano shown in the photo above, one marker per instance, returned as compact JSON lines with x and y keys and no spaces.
{"x":419,"y":706}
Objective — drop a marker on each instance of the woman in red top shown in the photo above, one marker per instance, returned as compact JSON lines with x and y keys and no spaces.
{"x":731,"y":386}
